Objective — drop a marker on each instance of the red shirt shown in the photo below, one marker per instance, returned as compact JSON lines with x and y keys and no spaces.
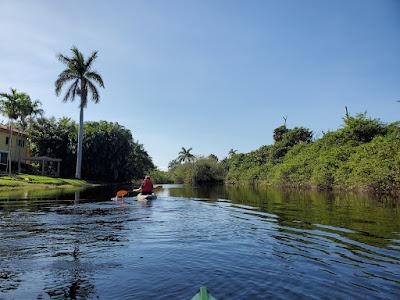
{"x":147,"y":185}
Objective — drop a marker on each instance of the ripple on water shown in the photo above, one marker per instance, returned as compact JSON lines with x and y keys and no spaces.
{"x":242,"y":246}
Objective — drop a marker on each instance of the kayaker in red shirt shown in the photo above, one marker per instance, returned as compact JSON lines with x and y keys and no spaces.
{"x":147,"y":186}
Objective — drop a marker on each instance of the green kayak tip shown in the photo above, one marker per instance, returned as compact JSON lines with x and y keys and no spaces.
{"x":203,"y":295}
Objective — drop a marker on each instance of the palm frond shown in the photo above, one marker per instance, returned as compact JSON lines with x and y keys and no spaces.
{"x":36,"y":108}
{"x":78,"y":56}
{"x":62,"y":58}
{"x":62,"y":79}
{"x":71,"y":92}
{"x":96,"y":77}
{"x":94,"y":92}
{"x":91,"y":59}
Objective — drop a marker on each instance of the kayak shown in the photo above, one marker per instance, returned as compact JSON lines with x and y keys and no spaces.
{"x":203,"y":295}
{"x":123,"y":198}
{"x":141,"y":197}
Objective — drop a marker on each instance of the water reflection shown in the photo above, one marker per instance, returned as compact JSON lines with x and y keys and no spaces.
{"x":77,"y":197}
{"x":371,"y":220}
{"x":244,"y":243}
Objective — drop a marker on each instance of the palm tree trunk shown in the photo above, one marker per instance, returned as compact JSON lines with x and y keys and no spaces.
{"x":9,"y":149}
{"x":80,"y":142}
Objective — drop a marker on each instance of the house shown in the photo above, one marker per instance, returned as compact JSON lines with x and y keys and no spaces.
{"x":21,"y":155}
{"x":19,"y":145}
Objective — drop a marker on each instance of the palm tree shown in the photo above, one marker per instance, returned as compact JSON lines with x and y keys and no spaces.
{"x":10,"y":106}
{"x":185,"y":155}
{"x":28,"y":110}
{"x":83,"y":78}
{"x":232,"y":152}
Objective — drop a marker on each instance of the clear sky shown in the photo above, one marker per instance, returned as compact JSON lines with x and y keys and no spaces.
{"x":211,"y":74}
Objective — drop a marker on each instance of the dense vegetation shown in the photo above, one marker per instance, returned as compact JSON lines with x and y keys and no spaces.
{"x":161,"y":177}
{"x":364,"y":153}
{"x":198,"y":171}
{"x":109,"y":150}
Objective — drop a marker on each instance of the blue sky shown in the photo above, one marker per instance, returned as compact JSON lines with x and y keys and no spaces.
{"x":211,"y":75}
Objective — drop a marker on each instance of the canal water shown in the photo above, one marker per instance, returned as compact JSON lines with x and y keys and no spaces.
{"x":241,"y":243}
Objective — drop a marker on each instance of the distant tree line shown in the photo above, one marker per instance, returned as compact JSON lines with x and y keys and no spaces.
{"x":363,"y":154}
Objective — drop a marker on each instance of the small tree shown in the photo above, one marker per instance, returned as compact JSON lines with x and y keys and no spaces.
{"x":29,"y":110}
{"x":288,"y":140}
{"x":10,"y":106}
{"x":363,"y":129}
{"x":279,"y":132}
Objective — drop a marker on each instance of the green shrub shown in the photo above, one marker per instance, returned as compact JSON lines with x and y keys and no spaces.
{"x":373,"y":165}
{"x":207,"y":171}
{"x":201,"y":171}
{"x":288,"y":140}
{"x":363,"y":129}
{"x":160,"y":177}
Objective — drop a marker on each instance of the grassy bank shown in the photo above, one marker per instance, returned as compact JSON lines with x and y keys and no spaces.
{"x":36,"y":181}
{"x":362,"y":155}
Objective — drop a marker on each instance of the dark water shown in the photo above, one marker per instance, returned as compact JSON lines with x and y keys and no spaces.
{"x":240,"y":243}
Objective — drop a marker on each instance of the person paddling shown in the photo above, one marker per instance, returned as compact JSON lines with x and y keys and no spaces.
{"x":147,"y":186}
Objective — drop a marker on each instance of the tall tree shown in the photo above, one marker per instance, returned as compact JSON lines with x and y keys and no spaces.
{"x":79,"y":72}
{"x":10,"y":106}
{"x":185,"y":155}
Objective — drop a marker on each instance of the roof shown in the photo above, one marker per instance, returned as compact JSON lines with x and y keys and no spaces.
{"x":5,"y":127}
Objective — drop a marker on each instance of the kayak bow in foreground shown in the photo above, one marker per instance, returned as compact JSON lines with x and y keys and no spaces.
{"x":203,"y":295}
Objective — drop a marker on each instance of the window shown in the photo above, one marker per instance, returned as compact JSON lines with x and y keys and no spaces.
{"x":7,"y":140}
{"x":20,"y":143}
{"x":3,"y":158}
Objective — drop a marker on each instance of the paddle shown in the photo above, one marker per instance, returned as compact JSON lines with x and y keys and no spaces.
{"x":121,"y":193}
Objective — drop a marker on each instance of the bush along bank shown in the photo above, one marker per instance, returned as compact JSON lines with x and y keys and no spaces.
{"x":198,"y":171}
{"x":362,"y":155}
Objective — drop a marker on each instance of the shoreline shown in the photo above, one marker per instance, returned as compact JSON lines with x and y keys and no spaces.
{"x":366,"y":190}
{"x":25,"y":181}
